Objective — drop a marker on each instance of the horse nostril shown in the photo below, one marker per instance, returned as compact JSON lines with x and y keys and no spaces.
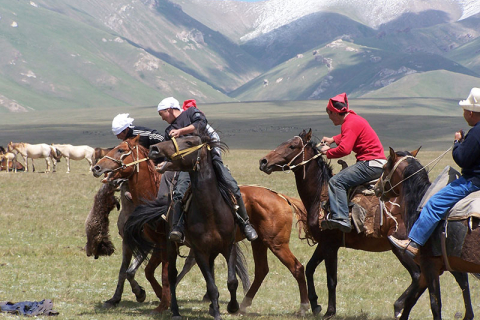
{"x":96,"y":168}
{"x":263,"y":161}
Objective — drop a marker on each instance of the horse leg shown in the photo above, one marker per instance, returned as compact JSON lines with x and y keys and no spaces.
{"x":206,"y":265}
{"x":122,"y":276}
{"x":286,"y":256}
{"x":232,"y":282}
{"x":433,"y":281}
{"x":162,"y":293}
{"x":189,"y":263}
{"x":47,"y":161}
{"x":331,"y":266}
{"x":152,"y":265}
{"x":312,"y":264}
{"x":172,"y":279}
{"x":404,"y":304}
{"x":68,"y":164}
{"x":259,"y":250}
{"x":462,"y":280}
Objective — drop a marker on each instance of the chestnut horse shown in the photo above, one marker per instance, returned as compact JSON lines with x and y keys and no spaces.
{"x":129,"y":161}
{"x":404,"y":176}
{"x":312,"y":173}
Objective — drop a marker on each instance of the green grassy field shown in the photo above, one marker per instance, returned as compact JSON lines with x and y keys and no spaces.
{"x":400,"y":123}
{"x":42,"y":257}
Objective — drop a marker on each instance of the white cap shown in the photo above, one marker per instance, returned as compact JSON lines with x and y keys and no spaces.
{"x":473,"y":101}
{"x":169,"y":103}
{"x":121,"y":122}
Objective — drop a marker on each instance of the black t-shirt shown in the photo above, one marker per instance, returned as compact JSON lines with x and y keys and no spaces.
{"x":190,"y":116}
{"x":148,"y":136}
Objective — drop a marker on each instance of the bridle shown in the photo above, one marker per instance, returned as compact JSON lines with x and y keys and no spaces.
{"x":180,"y":154}
{"x":289,"y":167}
{"x":382,"y":182}
{"x":123,"y":165}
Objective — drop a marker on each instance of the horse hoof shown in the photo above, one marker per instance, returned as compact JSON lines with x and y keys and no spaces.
{"x":109,"y":304}
{"x":328,"y":315}
{"x":141,"y":296}
{"x":233,"y":307}
{"x":316,"y":310}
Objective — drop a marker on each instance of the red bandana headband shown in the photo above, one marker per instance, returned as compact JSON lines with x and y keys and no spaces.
{"x":342,"y":97}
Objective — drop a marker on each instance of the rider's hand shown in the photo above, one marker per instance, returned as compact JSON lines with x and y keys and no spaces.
{"x":324,"y":149}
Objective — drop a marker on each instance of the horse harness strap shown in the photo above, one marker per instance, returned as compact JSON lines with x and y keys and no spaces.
{"x":181,"y":153}
{"x":383,"y":182}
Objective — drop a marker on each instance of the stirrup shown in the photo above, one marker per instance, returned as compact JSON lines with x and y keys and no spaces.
{"x":176,"y":236}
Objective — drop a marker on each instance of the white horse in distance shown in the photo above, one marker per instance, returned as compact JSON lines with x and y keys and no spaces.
{"x":76,"y":153}
{"x":9,"y":157}
{"x":35,"y":151}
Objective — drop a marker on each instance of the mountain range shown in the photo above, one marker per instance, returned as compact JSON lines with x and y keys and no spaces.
{"x":94,"y":53}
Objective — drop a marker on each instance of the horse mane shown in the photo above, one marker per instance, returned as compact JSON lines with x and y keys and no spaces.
{"x":150,"y":165}
{"x":323,"y":175}
{"x":224,"y":187}
{"x":414,"y":187}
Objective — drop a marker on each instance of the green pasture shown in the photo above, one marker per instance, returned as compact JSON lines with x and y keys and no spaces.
{"x":41,"y":256}
{"x":401,"y":123}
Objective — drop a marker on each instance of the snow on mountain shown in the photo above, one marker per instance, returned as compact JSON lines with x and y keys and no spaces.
{"x":273,"y":14}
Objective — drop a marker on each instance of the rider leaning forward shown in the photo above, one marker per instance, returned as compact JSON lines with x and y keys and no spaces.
{"x":466,"y":154}
{"x":185,"y":123}
{"x":356,"y":135}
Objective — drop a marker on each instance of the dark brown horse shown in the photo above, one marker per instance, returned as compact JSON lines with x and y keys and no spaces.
{"x":269,"y":212}
{"x":311,"y":175}
{"x":404,"y":176}
{"x":209,"y":221}
{"x":129,"y":161}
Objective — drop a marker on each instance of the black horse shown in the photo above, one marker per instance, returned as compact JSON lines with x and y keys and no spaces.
{"x":209,"y":221}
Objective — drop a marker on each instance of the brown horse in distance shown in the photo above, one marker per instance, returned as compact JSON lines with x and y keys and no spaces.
{"x":403,"y":175}
{"x":312,"y":173}
{"x":100,"y":153}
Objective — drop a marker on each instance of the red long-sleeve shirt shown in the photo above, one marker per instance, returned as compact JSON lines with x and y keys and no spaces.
{"x":358,"y":136}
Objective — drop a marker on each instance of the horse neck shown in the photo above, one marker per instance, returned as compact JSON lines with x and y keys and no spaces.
{"x":143,"y":186}
{"x":206,"y":189}
{"x":311,"y":183}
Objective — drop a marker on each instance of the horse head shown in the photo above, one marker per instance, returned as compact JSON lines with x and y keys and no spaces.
{"x":287,"y":154}
{"x":183,"y":153}
{"x":389,"y":184}
{"x":120,"y":162}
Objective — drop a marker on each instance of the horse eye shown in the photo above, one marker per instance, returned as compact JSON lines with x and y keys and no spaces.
{"x":291,"y":147}
{"x":120,"y":150}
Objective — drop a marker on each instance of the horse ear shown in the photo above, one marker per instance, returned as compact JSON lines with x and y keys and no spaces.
{"x":393,"y":155}
{"x":415,"y":152}
{"x":308,"y":136}
{"x":136,"y":139}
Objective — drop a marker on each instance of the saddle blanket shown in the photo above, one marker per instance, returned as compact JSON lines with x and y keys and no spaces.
{"x":467,"y":207}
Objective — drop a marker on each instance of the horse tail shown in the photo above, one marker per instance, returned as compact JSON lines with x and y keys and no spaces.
{"x":300,"y":213}
{"x":133,"y":232}
{"x":241,"y":267}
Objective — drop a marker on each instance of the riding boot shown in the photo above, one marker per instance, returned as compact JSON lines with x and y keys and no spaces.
{"x":178,"y":231}
{"x":243,"y":221}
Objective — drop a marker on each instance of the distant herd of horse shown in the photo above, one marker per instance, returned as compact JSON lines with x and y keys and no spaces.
{"x":387,"y":209}
{"x":52,"y":153}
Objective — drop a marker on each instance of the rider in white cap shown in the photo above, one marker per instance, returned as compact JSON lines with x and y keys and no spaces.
{"x":123,"y":128}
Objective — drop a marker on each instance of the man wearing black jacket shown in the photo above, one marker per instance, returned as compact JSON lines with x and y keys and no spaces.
{"x":184,"y":123}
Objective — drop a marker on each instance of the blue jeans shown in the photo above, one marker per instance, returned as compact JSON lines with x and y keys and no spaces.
{"x":437,"y":207}
{"x":359,"y":173}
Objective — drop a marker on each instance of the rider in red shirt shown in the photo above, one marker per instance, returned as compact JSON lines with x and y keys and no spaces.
{"x":358,"y":136}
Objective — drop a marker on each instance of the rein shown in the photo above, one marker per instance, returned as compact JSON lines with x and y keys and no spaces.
{"x":288,"y":167}
{"x":387,"y":180}
{"x":181,"y":153}
{"x":126,"y":165}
